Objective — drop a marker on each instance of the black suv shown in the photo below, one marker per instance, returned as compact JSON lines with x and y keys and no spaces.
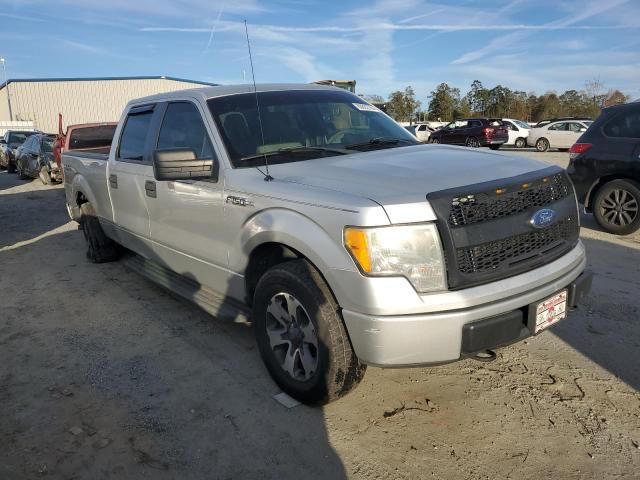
{"x":473,"y":132}
{"x":605,"y":168}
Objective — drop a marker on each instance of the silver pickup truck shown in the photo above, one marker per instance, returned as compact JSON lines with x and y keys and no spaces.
{"x":343,"y":240}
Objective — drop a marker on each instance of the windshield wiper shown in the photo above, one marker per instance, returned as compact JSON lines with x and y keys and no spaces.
{"x":292,"y":150}
{"x":379,"y":141}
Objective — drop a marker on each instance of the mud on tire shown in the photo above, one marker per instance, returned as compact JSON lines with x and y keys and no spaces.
{"x":100,"y":248}
{"x":337,"y":370}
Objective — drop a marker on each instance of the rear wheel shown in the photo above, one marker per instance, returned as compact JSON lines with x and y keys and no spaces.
{"x":301,"y":335}
{"x":520,"y":143}
{"x":45,"y":176}
{"x":472,"y":142}
{"x":615,"y":207}
{"x":434,"y":140}
{"x":542,"y":145}
{"x":100,"y":248}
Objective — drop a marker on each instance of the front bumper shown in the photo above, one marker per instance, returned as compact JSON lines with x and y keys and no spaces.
{"x":437,"y":337}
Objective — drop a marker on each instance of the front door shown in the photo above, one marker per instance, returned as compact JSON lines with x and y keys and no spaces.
{"x":128,"y":171}
{"x":187,"y":215}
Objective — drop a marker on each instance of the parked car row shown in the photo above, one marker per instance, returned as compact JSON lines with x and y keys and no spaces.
{"x":34,"y":154}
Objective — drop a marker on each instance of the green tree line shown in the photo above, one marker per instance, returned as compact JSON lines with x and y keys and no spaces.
{"x":446,"y":103}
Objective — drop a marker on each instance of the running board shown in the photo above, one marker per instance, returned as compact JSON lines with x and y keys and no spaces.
{"x":207,"y":299}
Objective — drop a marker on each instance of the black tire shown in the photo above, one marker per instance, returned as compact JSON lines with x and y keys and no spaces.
{"x":434,"y":140}
{"x":494,"y":147}
{"x":20,"y":172}
{"x":472,"y":142}
{"x":45,"y":176}
{"x":11,"y":168}
{"x":337,"y":370}
{"x":520,"y":143}
{"x":100,"y":248}
{"x":624,"y":194}
{"x":542,"y":145}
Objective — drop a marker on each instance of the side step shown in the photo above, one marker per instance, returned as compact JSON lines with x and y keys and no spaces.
{"x":209,"y":300}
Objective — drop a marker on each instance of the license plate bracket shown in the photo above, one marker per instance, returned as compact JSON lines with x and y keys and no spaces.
{"x":548,"y":311}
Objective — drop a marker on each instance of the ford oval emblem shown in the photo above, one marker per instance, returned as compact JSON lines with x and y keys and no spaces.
{"x":543,"y":218}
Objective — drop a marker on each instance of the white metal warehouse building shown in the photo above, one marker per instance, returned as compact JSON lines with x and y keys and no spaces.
{"x":79,"y":100}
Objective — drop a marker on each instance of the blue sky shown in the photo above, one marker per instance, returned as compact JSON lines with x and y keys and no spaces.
{"x":532,"y":45}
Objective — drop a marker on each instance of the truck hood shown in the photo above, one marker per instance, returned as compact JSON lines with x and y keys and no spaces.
{"x":404,"y":175}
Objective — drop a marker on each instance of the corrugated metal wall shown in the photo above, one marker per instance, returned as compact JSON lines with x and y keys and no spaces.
{"x":79,"y":101}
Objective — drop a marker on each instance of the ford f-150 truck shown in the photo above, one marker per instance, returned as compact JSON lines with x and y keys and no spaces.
{"x":344,"y":241}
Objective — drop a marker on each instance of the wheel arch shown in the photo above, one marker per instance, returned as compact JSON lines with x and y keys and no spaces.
{"x":601,"y":182}
{"x":276,"y":243}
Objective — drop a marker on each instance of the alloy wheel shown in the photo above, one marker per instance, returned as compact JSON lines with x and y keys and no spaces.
{"x":619,"y":208}
{"x":292,"y":336}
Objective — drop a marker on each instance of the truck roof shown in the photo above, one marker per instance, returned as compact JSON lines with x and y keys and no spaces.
{"x":224,"y":90}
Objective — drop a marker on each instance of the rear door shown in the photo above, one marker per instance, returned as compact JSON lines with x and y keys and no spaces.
{"x":186,"y":216}
{"x":621,"y":150}
{"x":129,"y":169}
{"x":556,"y":134}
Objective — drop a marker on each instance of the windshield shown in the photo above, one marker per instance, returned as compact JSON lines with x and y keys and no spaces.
{"x":47,"y":144}
{"x":521,"y":124}
{"x":17,"y":138}
{"x":311,"y":123}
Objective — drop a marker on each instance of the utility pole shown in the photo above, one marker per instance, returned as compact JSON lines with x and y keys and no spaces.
{"x":6,"y":85}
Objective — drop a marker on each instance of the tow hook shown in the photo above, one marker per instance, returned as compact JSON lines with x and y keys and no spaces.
{"x":486,"y":356}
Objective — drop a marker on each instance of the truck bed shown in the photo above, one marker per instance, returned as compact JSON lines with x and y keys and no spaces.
{"x":86,"y":171}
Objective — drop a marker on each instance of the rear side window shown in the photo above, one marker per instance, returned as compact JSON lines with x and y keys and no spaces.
{"x":91,"y":137}
{"x":182,"y":127}
{"x":134,"y":135}
{"x":558,"y":126}
{"x":625,"y":125}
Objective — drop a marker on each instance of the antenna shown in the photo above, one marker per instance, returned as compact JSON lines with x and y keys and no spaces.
{"x":267,"y":177}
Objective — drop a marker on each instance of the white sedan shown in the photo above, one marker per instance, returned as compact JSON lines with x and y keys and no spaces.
{"x":518,"y":132}
{"x":560,"y":134}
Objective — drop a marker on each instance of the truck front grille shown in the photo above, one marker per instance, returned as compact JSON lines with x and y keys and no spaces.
{"x":475,"y":208}
{"x":491,"y":256}
{"x":487,"y":230}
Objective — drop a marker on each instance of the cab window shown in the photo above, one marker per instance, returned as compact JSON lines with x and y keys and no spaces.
{"x":182,"y":127}
{"x":134,"y":135}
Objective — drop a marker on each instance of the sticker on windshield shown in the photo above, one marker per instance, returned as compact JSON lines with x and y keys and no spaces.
{"x":364,"y":107}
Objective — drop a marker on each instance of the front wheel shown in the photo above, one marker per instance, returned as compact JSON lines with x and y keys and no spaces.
{"x":542,"y":145}
{"x":20,"y":172}
{"x":520,"y":143}
{"x":301,"y":336}
{"x":434,"y":140}
{"x":45,"y":176}
{"x":615,"y":207}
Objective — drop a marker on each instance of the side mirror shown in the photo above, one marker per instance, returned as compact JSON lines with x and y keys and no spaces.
{"x":180,"y":164}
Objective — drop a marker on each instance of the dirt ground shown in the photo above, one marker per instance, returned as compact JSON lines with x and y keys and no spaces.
{"x":105,"y":375}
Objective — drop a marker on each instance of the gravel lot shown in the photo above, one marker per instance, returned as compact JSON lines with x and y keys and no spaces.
{"x":105,"y":375}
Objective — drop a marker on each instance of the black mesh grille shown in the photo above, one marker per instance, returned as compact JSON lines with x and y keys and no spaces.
{"x":491,"y":256}
{"x":469,"y":209}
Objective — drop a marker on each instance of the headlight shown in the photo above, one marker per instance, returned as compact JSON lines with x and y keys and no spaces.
{"x":412,"y":251}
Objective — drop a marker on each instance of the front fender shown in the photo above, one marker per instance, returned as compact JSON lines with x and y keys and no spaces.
{"x":302,"y":234}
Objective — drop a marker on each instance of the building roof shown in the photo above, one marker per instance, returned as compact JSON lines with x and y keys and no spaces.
{"x":96,"y":79}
